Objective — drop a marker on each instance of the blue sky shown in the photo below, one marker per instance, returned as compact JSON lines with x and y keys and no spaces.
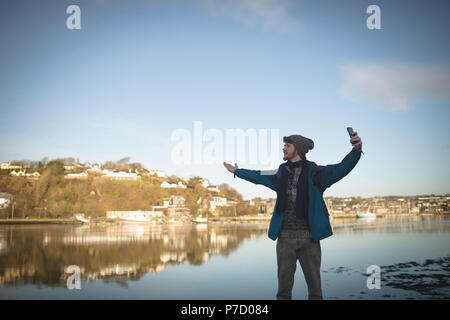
{"x":138,"y":70}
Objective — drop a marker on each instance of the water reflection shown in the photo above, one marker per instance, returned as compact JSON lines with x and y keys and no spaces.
{"x":39,"y":254}
{"x":397,"y":224}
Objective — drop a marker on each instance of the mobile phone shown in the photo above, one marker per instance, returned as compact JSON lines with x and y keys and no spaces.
{"x":350,"y":132}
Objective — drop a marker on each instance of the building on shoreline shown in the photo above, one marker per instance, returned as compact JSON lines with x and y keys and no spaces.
{"x":389,"y":205}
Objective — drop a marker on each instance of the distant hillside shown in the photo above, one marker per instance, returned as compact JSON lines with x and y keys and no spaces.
{"x":52,"y":195}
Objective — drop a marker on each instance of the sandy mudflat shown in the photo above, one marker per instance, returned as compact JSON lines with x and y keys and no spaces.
{"x":430,"y":278}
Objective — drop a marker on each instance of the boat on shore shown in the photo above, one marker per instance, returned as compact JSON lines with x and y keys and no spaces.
{"x":200,"y":219}
{"x":134,"y":218}
{"x":80,"y":217}
{"x":366,"y":215}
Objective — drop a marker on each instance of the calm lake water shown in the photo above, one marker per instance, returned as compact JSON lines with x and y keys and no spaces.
{"x":221,"y":261}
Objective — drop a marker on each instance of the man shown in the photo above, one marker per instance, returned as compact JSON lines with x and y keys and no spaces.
{"x":300,"y":218}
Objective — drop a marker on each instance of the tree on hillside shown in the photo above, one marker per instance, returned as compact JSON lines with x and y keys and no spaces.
{"x":42,"y":187}
{"x":122,"y":164}
{"x":43,"y":162}
{"x":67,"y":161}
{"x":123,"y":161}
{"x":229,"y":192}
{"x":56,"y":167}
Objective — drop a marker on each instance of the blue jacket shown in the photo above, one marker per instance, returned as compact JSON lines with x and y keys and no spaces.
{"x":322,"y":176}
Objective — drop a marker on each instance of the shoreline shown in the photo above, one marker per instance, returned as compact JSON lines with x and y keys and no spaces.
{"x":243,"y":219}
{"x":38,"y":221}
{"x":110,"y":221}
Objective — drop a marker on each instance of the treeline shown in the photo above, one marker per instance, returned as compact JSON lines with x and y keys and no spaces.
{"x":122,"y":164}
{"x":53,"y":196}
{"x":30,"y":164}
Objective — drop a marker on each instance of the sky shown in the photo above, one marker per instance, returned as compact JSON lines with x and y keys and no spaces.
{"x":137,"y":73}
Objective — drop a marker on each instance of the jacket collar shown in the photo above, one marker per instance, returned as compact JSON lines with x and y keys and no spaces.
{"x":284,"y":165}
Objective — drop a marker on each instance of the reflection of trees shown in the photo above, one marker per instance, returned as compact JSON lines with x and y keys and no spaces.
{"x":39,"y":254}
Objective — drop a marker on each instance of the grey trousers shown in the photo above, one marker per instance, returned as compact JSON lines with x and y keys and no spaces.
{"x":308,"y":252}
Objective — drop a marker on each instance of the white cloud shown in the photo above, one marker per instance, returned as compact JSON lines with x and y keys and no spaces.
{"x":395,"y":87}
{"x":265,"y":13}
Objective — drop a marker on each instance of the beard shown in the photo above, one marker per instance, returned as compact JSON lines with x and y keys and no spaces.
{"x":289,"y":155}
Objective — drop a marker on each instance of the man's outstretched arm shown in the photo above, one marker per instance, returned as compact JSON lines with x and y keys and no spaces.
{"x":330,"y":174}
{"x":254,"y":176}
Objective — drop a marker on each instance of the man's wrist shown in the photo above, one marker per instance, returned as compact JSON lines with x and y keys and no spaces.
{"x":358,"y":150}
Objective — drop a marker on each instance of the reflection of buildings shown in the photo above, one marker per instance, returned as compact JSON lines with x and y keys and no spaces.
{"x":111,"y":253}
{"x":219,"y":242}
{"x":166,"y":257}
{"x":401,"y":224}
{"x":120,"y":271}
{"x":112,"y":235}
{"x":3,"y":247}
{"x":174,"y":242}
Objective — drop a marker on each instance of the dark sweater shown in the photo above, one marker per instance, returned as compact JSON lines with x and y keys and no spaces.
{"x":292,"y":226}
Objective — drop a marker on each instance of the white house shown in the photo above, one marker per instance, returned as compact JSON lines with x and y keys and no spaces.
{"x":95,"y":169}
{"x":5,"y":199}
{"x":165,"y":184}
{"x":231,"y":202}
{"x":19,"y":173}
{"x":81,"y":175}
{"x":121,"y":175}
{"x":9,"y":166}
{"x":175,"y":201}
{"x":34,"y":174}
{"x":4,"y":202}
{"x":217,"y":202}
{"x":204,"y":182}
{"x":158,"y":173}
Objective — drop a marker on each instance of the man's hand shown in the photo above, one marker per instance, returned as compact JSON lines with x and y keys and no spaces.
{"x":230,"y":168}
{"x":357,"y":139}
